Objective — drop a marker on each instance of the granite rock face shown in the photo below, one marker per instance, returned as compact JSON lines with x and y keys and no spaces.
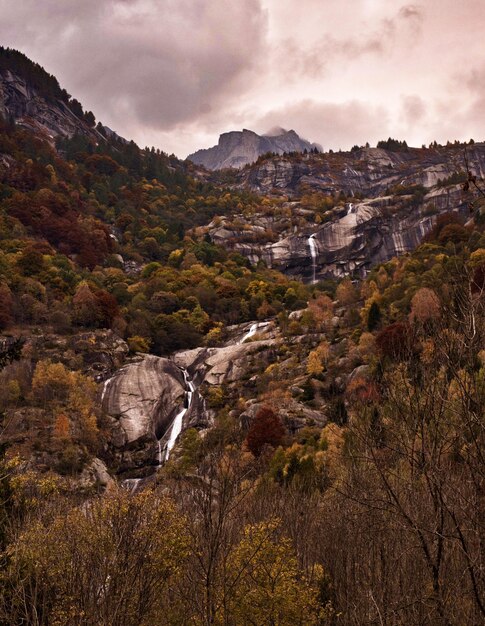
{"x":228,"y":363}
{"x":393,"y":201}
{"x":355,"y":239}
{"x":368,"y":172}
{"x":144,"y":397}
{"x":238,"y":148}
{"x":20,"y":101}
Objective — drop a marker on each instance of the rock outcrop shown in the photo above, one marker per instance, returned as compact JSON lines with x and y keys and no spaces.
{"x":368,"y":172}
{"x":144,"y":397}
{"x":21,"y":102}
{"x":354,"y":239}
{"x":238,"y":148}
{"x":228,"y":363}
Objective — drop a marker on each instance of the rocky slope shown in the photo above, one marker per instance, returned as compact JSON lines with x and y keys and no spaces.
{"x":357,"y":236}
{"x":24,"y":104}
{"x":391,"y":201}
{"x":238,"y":148}
{"x":143,"y":399}
{"x":369,"y":172}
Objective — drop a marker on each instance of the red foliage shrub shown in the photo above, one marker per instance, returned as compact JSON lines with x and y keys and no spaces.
{"x":108,"y":308}
{"x":50,"y":216}
{"x":425,"y":305}
{"x":6,"y":305}
{"x":265,"y":429}
{"x":394,"y":341}
{"x":363,"y":390}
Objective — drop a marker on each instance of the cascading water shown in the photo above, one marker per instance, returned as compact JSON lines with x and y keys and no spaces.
{"x":313,"y":251}
{"x":179,"y":418}
{"x":350,"y":209}
{"x":131,"y":484}
{"x":253,"y":330}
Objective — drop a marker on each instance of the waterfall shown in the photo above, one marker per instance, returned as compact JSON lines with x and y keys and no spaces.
{"x":313,"y":251}
{"x":105,"y":388}
{"x":253,"y":330}
{"x":179,"y":418}
{"x":131,"y":484}
{"x":350,"y":209}
{"x":159,"y":452}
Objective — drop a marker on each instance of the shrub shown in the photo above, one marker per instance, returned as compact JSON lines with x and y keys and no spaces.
{"x":266,"y":430}
{"x":394,"y":341}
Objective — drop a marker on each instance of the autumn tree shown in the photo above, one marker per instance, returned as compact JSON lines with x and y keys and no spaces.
{"x":318,"y":358}
{"x":346,"y":293}
{"x":425,"y":305}
{"x":105,"y":563}
{"x":373,"y":316}
{"x":265,"y":583}
{"x":266,"y":430}
{"x":414,"y":468}
{"x":85,"y":305}
{"x":394,"y":341}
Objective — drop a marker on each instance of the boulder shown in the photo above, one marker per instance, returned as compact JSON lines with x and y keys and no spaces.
{"x":144,"y":397}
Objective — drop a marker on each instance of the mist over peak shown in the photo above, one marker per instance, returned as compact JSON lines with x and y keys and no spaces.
{"x":275,"y":131}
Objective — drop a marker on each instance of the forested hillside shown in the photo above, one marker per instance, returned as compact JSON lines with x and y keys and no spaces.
{"x":328,"y":464}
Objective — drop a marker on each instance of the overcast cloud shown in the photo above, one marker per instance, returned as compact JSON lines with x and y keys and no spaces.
{"x":177,"y":73}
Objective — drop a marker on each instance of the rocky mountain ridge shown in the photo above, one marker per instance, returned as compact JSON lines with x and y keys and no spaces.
{"x":339,"y":214}
{"x":358,"y":236}
{"x":367,"y":172}
{"x":238,"y":148}
{"x":24,"y":104}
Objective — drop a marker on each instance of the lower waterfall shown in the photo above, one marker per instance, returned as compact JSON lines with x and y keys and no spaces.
{"x":177,"y":423}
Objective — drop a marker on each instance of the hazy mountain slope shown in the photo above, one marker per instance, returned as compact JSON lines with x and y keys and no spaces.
{"x":238,"y":148}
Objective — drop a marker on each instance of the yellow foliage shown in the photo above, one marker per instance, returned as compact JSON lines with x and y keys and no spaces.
{"x":138,"y":344}
{"x":106,"y":556}
{"x":477,"y":258}
{"x":51,"y":382}
{"x":346,"y":293}
{"x":314,"y":365}
{"x":214,"y":335}
{"x":267,"y":585}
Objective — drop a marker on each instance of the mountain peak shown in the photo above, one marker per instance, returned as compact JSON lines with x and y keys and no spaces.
{"x":239,"y":148}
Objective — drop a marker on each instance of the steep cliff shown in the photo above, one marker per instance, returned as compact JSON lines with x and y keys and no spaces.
{"x":368,"y":171}
{"x":238,"y":148}
{"x":339,"y":214}
{"x":21,"y":102}
{"x":356,"y":236}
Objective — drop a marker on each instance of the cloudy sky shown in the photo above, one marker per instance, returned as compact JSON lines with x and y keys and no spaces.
{"x":177,"y":73}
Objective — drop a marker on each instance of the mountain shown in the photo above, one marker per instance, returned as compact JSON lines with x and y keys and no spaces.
{"x":33,"y":99}
{"x":238,"y":148}
{"x":335,"y":214}
{"x":194,"y":363}
{"x":367,"y":172}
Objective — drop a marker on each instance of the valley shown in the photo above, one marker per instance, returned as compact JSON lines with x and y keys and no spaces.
{"x":245,"y":395}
